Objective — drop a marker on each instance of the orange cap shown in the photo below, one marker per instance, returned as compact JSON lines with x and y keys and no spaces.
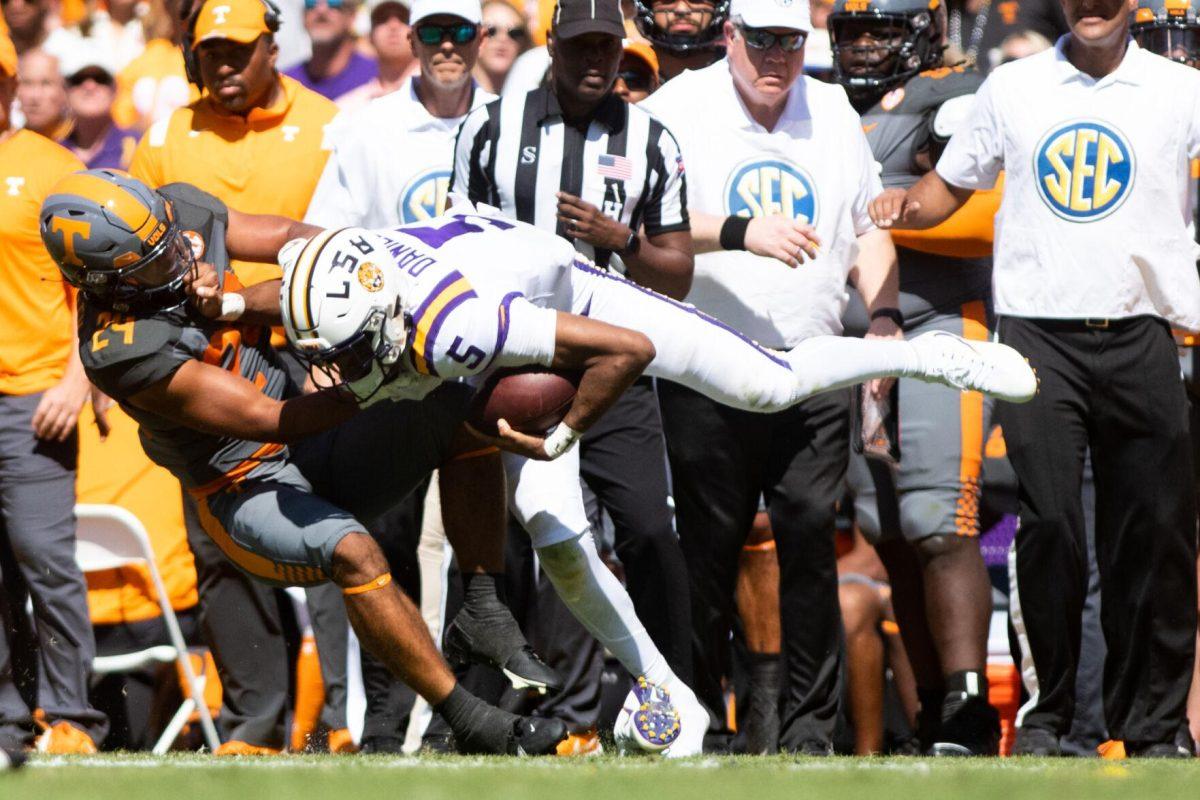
{"x":240,"y":20}
{"x":643,"y":51}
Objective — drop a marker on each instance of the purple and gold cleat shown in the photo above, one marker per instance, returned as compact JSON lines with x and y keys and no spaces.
{"x":648,"y":719}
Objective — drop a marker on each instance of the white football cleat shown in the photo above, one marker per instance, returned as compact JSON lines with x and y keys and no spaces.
{"x":648,"y":720}
{"x":988,"y":367}
{"x":693,"y":720}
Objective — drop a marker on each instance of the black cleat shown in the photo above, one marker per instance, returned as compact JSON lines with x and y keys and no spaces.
{"x":1156,"y":750}
{"x":11,"y":758}
{"x":972,"y":729}
{"x":1037,"y":742}
{"x":536,"y":736}
{"x":498,"y":644}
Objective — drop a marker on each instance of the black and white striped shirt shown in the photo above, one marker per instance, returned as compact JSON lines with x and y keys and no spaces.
{"x":516,"y":152}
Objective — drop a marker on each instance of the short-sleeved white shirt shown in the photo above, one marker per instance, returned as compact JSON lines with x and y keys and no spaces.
{"x":390,"y":164}
{"x":816,"y":165}
{"x":1096,"y":218}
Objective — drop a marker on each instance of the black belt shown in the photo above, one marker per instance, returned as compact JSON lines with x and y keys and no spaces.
{"x":1090,"y":323}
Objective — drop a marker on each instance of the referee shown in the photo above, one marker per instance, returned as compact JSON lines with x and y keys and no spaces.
{"x":572,"y":157}
{"x":1094,"y":261}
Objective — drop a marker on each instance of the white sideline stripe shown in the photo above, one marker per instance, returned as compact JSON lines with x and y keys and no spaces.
{"x":1028,"y":670}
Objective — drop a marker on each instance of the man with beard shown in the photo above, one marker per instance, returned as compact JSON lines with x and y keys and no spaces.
{"x":685,"y":34}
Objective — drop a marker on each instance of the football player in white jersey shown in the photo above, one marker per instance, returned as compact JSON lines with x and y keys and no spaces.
{"x":396,"y":312}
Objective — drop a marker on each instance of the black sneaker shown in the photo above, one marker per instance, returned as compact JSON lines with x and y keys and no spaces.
{"x":11,"y":758}
{"x":381,"y":745}
{"x":973,"y":729}
{"x":1037,"y":742}
{"x":498,"y":643}
{"x":1156,"y":750}
{"x":438,"y":744}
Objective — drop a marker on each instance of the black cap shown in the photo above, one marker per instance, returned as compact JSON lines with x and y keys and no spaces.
{"x":576,"y":17}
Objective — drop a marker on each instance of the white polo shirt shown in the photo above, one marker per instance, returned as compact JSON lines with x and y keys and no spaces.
{"x":815,"y":165}
{"x":1096,"y":219}
{"x":390,"y":165}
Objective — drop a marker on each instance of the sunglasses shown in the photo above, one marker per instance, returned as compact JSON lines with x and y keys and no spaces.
{"x":336,"y":5}
{"x":458,"y":33}
{"x":635,"y":80}
{"x":100,"y":77}
{"x":760,"y":39}
{"x":516,"y":34}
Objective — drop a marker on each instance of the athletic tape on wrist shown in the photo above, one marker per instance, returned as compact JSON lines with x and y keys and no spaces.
{"x":233,"y":305}
{"x":560,"y":440}
{"x":380,"y":582}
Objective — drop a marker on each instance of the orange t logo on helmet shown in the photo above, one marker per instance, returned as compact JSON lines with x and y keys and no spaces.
{"x":70,"y":228}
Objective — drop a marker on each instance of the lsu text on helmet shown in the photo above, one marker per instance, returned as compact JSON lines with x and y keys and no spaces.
{"x":342,"y":309}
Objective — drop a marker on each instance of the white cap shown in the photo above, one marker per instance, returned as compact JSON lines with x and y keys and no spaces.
{"x":792,"y":14}
{"x":469,"y":10}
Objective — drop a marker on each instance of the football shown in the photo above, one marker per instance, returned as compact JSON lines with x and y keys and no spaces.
{"x":532,"y":399}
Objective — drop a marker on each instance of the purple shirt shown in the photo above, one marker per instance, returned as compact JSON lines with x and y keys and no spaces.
{"x":116,"y":152}
{"x":359,"y":70}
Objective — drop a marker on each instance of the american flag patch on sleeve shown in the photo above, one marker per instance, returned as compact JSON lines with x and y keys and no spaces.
{"x":616,"y":167}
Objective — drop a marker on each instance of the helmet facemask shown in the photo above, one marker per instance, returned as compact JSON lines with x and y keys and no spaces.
{"x":707,"y":37}
{"x":1178,"y":40}
{"x":155,"y":282}
{"x":899,"y":46}
{"x":366,"y":360}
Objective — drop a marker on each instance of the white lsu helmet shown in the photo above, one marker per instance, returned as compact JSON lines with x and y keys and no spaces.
{"x":341,"y":306}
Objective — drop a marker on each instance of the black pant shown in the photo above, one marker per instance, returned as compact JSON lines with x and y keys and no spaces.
{"x":1117,"y":393}
{"x":622,"y":460}
{"x":722,"y":462}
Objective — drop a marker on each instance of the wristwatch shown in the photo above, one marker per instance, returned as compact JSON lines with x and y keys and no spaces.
{"x":632,"y":244}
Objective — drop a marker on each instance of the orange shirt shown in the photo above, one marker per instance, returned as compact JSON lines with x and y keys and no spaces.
{"x":36,"y":305}
{"x":152,"y":86}
{"x":268,"y":162}
{"x":117,"y":471}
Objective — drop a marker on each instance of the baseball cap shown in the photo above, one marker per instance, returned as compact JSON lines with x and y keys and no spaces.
{"x":793,"y":14}
{"x":240,"y":20}
{"x":8,"y":56}
{"x":643,"y":51}
{"x":576,"y":17}
{"x":464,"y":9}
{"x":387,"y":10}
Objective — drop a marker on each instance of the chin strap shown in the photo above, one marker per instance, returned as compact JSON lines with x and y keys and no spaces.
{"x":380,"y":582}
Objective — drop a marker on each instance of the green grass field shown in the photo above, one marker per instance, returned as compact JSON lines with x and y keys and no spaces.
{"x":119,"y":777}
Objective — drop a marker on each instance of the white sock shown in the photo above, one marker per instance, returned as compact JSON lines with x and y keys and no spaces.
{"x":823,"y":363}
{"x":601,"y":604}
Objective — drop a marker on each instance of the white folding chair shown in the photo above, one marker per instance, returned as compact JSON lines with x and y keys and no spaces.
{"x":108,"y":537}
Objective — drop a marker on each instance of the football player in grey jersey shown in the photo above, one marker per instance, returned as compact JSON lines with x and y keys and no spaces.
{"x":280,"y":479}
{"x":888,"y":56}
{"x":685,"y":34}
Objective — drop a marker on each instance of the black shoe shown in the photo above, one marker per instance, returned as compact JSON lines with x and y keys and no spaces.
{"x":812,"y":747}
{"x":381,"y":745}
{"x":1156,"y":750}
{"x":498,"y":643}
{"x":439,"y":744}
{"x":1037,"y":742}
{"x":536,"y":736}
{"x":11,"y":758}
{"x":972,"y":729}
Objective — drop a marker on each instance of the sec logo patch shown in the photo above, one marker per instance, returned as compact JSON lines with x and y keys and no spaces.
{"x":1084,"y":170}
{"x":763,"y":187}
{"x":425,"y":196}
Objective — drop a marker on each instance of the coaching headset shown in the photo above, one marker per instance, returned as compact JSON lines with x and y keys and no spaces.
{"x":189,"y":11}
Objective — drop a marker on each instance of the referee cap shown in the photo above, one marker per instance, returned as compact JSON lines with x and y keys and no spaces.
{"x":576,"y":17}
{"x":792,"y":14}
{"x":463,"y":9}
{"x":239,"y":20}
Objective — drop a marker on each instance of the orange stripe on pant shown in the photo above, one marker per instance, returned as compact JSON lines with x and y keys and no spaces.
{"x":253,"y":563}
{"x":970,"y":408}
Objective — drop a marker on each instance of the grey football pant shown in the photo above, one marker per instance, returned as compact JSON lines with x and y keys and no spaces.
{"x":44,"y":663}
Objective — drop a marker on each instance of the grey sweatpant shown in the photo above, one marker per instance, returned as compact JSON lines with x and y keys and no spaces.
{"x":44,"y":662}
